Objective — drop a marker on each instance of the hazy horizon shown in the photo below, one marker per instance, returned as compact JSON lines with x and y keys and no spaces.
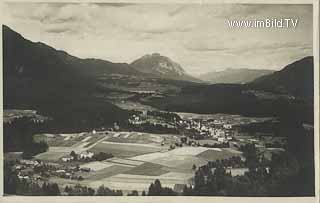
{"x":195,"y":36}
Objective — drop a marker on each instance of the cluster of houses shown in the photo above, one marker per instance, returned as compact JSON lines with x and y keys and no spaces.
{"x":82,"y":156}
{"x":25,"y":168}
{"x":31,"y":170}
{"x":218,"y":130}
{"x":144,"y":118}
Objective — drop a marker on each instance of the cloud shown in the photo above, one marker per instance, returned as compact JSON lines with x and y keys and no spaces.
{"x":58,"y":28}
{"x":256,"y":46}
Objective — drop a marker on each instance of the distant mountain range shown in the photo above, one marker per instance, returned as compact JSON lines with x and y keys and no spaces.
{"x":61,"y":86}
{"x":161,"y":66}
{"x":56,"y":84}
{"x":286,"y":93}
{"x":234,"y":76}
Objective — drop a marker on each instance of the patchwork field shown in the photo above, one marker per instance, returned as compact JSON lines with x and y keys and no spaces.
{"x":182,"y":159}
{"x":139,"y":159}
{"x":106,"y":172}
{"x":125,"y":149}
{"x":128,"y":182}
{"x":142,"y":138}
{"x":68,"y":140}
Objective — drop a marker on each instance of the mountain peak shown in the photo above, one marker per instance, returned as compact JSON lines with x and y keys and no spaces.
{"x":161,"y":66}
{"x":157,"y":64}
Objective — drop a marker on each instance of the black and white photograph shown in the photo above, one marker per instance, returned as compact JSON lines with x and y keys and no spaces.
{"x":158,"y":99}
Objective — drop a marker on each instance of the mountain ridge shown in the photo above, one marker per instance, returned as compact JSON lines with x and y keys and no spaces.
{"x":56,"y":84}
{"x":234,"y":76}
{"x":285,"y":80}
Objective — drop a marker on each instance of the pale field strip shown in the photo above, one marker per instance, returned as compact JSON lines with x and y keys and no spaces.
{"x":140,"y":182}
{"x":49,"y":135}
{"x":181,"y":178}
{"x":124,"y":186}
{"x":97,"y":165}
{"x":116,"y":135}
{"x":124,"y":161}
{"x":185,"y":151}
{"x":131,"y":144}
{"x":127,"y":135}
{"x":86,"y":139}
{"x":97,"y":142}
{"x":180,"y":161}
{"x":149,"y":157}
{"x":67,"y":138}
{"x":232,"y":150}
{"x":177,"y":175}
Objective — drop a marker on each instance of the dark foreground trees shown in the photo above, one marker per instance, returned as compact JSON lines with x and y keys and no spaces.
{"x":156,"y":189}
{"x":18,"y":136}
{"x":286,"y":174}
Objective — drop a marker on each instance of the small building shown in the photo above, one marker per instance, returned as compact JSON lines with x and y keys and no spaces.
{"x":179,"y":188}
{"x":61,"y":171}
{"x":68,"y":175}
{"x":227,"y":126}
{"x":67,"y":158}
{"x":85,"y":169}
{"x":221,"y":139}
{"x":237,"y":171}
{"x":86,"y":154}
{"x":29,"y":162}
{"x":116,"y":126}
{"x":229,"y":138}
{"x":25,"y":177}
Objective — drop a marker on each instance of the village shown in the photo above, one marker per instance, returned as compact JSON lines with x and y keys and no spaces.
{"x":110,"y":157}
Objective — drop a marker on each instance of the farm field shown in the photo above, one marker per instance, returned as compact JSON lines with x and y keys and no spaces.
{"x":125,"y":149}
{"x":128,"y":182}
{"x":139,"y":159}
{"x":184,"y":158}
{"x":106,"y":172}
{"x":149,"y":169}
{"x":142,"y":138}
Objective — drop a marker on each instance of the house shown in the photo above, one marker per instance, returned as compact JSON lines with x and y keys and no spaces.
{"x":237,"y":171}
{"x":85,"y":169}
{"x":67,"y":158}
{"x":26,"y":177}
{"x":86,"y":154}
{"x":227,"y":126}
{"x":68,"y":175}
{"x":29,"y":162}
{"x":179,"y":188}
{"x":221,"y":139}
{"x":61,"y":171}
{"x":229,"y":138}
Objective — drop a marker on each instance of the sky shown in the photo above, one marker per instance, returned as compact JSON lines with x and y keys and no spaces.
{"x":197,"y":36}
